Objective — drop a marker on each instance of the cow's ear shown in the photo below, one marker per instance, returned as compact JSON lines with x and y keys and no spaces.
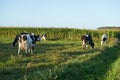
{"x":24,"y":38}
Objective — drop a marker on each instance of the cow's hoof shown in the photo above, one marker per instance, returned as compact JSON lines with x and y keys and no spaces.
{"x":28,"y":55}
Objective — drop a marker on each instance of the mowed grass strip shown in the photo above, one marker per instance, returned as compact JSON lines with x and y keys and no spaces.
{"x":59,"y":60}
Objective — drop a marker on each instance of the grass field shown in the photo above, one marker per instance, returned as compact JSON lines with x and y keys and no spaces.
{"x":60,"y":60}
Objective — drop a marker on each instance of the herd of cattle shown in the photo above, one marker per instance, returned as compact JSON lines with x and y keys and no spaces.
{"x":27,"y":41}
{"x":87,"y":40}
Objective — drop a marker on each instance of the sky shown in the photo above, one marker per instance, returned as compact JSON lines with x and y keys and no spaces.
{"x":83,"y":14}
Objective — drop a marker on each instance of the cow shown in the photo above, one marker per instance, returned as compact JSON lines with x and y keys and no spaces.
{"x":87,"y":40}
{"x":103,"y":39}
{"x":32,"y":35}
{"x":43,"y":37}
{"x":26,"y":41}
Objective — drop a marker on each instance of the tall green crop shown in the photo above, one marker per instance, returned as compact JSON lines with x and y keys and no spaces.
{"x":57,"y":33}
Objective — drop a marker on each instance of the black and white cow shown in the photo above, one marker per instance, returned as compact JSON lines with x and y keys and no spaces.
{"x":26,"y":41}
{"x":87,"y":40}
{"x":43,"y":37}
{"x":103,"y":39}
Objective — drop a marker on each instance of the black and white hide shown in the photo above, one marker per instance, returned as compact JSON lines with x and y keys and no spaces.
{"x":103,"y":39}
{"x":43,"y":37}
{"x":87,"y":40}
{"x":26,"y":42}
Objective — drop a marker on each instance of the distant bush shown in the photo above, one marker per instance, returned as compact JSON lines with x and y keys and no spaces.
{"x":109,"y":28}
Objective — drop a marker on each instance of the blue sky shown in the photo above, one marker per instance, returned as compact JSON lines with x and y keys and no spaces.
{"x":83,"y":14}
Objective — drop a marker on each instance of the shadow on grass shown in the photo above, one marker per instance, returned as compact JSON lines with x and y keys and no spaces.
{"x":82,"y":52}
{"x":54,"y":39}
{"x":44,"y":47}
{"x":12,"y":73}
{"x":6,"y":50}
{"x":94,"y":69}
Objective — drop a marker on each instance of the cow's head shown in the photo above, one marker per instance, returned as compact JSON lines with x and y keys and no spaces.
{"x":92,"y":45}
{"x":43,"y":37}
{"x":84,"y":41}
{"x":84,"y":38}
{"x":37,"y":38}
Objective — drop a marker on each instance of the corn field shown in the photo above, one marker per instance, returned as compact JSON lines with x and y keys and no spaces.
{"x":58,"y":33}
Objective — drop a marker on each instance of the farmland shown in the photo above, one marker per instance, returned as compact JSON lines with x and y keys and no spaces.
{"x":61,"y":57}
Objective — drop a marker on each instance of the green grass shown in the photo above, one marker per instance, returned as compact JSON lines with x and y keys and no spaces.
{"x":60,"y":60}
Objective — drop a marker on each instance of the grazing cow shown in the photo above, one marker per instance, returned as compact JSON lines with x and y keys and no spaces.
{"x":43,"y":37}
{"x":26,"y":42}
{"x":32,"y":36}
{"x":103,"y":39}
{"x":87,"y":40}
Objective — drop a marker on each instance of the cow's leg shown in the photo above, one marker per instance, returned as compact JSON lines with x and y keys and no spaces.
{"x":101,"y":43}
{"x":105,"y":41}
{"x":31,"y":50}
{"x":19,"y":48}
{"x":18,"y":51}
{"x":26,"y":51}
{"x":86,"y":46}
{"x":83,"y":44}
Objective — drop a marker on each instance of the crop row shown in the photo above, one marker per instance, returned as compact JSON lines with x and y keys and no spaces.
{"x":58,"y":33}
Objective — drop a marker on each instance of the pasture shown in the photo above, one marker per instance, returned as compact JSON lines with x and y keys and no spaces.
{"x":60,"y":59}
